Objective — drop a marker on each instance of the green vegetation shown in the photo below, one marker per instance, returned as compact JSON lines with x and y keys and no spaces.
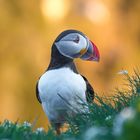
{"x":110,"y":118}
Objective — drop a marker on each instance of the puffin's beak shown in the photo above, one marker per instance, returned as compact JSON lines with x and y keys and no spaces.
{"x":91,"y":53}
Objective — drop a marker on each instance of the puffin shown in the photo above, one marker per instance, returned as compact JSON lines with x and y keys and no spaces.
{"x":61,"y":90}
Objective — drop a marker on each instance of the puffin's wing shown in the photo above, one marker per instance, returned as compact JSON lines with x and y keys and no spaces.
{"x":89,"y":91}
{"x":37,"y":93}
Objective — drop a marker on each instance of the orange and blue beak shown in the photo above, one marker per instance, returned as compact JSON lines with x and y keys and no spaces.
{"x":90,"y":53}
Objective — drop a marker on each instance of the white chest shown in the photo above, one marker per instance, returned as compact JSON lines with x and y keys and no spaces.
{"x":62,"y":92}
{"x":61,"y":81}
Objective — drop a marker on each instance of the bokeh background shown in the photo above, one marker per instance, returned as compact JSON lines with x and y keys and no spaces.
{"x":28,"y":29}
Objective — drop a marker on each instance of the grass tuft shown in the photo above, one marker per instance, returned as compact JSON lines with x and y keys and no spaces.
{"x":115,"y":117}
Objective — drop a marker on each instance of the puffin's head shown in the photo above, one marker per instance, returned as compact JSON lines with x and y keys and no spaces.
{"x":74,"y":44}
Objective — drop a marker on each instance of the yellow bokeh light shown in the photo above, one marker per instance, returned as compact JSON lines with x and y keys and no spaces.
{"x":55,"y":9}
{"x":97,"y":11}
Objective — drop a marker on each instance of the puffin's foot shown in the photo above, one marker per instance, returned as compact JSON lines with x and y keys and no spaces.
{"x":58,"y":128}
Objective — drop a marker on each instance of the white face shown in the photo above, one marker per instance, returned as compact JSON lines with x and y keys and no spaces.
{"x":72,"y":45}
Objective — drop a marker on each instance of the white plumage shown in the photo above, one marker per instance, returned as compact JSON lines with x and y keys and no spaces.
{"x":62,"y":93}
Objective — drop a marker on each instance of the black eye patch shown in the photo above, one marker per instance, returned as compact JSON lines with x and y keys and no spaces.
{"x":76,"y":40}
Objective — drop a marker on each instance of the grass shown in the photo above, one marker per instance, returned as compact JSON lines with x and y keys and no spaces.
{"x":110,"y":118}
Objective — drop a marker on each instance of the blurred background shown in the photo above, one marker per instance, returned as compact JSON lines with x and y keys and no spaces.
{"x":28,"y":29}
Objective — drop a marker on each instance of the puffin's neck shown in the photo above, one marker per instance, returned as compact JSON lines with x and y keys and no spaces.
{"x":59,"y":61}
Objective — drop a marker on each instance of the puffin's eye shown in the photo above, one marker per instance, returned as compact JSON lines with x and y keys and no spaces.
{"x":76,"y":40}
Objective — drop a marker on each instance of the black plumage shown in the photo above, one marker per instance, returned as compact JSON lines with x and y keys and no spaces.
{"x":89,"y":91}
{"x":37,"y":93}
